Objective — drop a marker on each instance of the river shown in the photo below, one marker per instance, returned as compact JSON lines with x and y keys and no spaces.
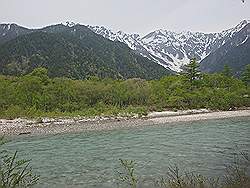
{"x":91,"y":159}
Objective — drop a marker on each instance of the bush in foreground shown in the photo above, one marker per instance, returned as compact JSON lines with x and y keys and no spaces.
{"x":236,"y":176}
{"x":15,"y":172}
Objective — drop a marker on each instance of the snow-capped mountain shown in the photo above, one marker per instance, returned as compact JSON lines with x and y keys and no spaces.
{"x":235,"y":52}
{"x":171,"y":49}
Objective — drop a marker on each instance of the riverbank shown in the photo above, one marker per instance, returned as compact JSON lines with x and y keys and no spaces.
{"x":46,"y":126}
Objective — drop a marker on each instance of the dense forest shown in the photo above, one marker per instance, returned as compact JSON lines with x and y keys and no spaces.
{"x":75,"y":53}
{"x":36,"y":94}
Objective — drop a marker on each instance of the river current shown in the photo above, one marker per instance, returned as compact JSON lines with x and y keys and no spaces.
{"x":91,"y":159}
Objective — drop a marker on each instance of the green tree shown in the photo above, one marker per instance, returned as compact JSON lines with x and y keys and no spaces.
{"x":227,"y":71}
{"x":246,"y":75}
{"x":42,"y":73}
{"x":191,"y":72}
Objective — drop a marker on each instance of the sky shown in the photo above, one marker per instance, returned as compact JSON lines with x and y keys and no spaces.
{"x":131,"y":16}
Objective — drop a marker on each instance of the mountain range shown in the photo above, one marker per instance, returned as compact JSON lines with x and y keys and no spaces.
{"x":79,"y":51}
{"x":173,"y":50}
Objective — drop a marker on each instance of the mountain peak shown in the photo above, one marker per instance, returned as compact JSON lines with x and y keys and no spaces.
{"x":8,"y":26}
{"x":69,"y":24}
{"x":173,"y":49}
{"x":245,"y":22}
{"x":242,"y":24}
{"x":167,"y":48}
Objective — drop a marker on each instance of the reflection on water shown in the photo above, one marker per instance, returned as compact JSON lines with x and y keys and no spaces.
{"x":89,"y":159}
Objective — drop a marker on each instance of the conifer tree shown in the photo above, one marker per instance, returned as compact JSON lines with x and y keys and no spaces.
{"x":246,"y":75}
{"x":191,"y":72}
{"x":227,"y":71}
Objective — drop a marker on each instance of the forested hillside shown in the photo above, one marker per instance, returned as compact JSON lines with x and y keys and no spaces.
{"x":76,"y":54}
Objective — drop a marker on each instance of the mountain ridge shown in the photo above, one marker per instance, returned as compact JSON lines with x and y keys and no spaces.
{"x":73,"y":52}
{"x":170,"y":49}
{"x":234,"y":53}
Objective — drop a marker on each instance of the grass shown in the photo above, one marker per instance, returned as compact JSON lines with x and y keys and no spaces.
{"x":236,"y":176}
{"x":14,"y":172}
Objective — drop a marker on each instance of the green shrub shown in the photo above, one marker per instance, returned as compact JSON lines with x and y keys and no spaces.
{"x":14,"y":172}
{"x":36,"y":95}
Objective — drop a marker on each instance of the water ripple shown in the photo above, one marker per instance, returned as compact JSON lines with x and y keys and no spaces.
{"x":89,"y":159}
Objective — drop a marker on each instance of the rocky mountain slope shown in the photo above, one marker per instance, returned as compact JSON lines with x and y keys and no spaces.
{"x":235,"y":53}
{"x":11,"y":31}
{"x":173,"y":50}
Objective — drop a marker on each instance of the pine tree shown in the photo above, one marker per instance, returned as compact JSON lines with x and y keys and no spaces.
{"x":246,"y":75}
{"x":227,"y":71}
{"x":191,"y":72}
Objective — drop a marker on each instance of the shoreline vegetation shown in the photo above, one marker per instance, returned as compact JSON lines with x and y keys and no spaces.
{"x":36,"y":95}
{"x":236,"y":175}
{"x":47,"y":126}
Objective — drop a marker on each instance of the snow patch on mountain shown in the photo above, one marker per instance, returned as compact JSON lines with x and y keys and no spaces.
{"x":69,"y":24}
{"x":6,"y":26}
{"x":171,"y":49}
{"x":243,"y":42}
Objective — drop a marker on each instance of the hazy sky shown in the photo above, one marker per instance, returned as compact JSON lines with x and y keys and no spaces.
{"x":133,"y":16}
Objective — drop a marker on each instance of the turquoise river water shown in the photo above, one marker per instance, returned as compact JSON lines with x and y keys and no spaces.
{"x":91,"y":159}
